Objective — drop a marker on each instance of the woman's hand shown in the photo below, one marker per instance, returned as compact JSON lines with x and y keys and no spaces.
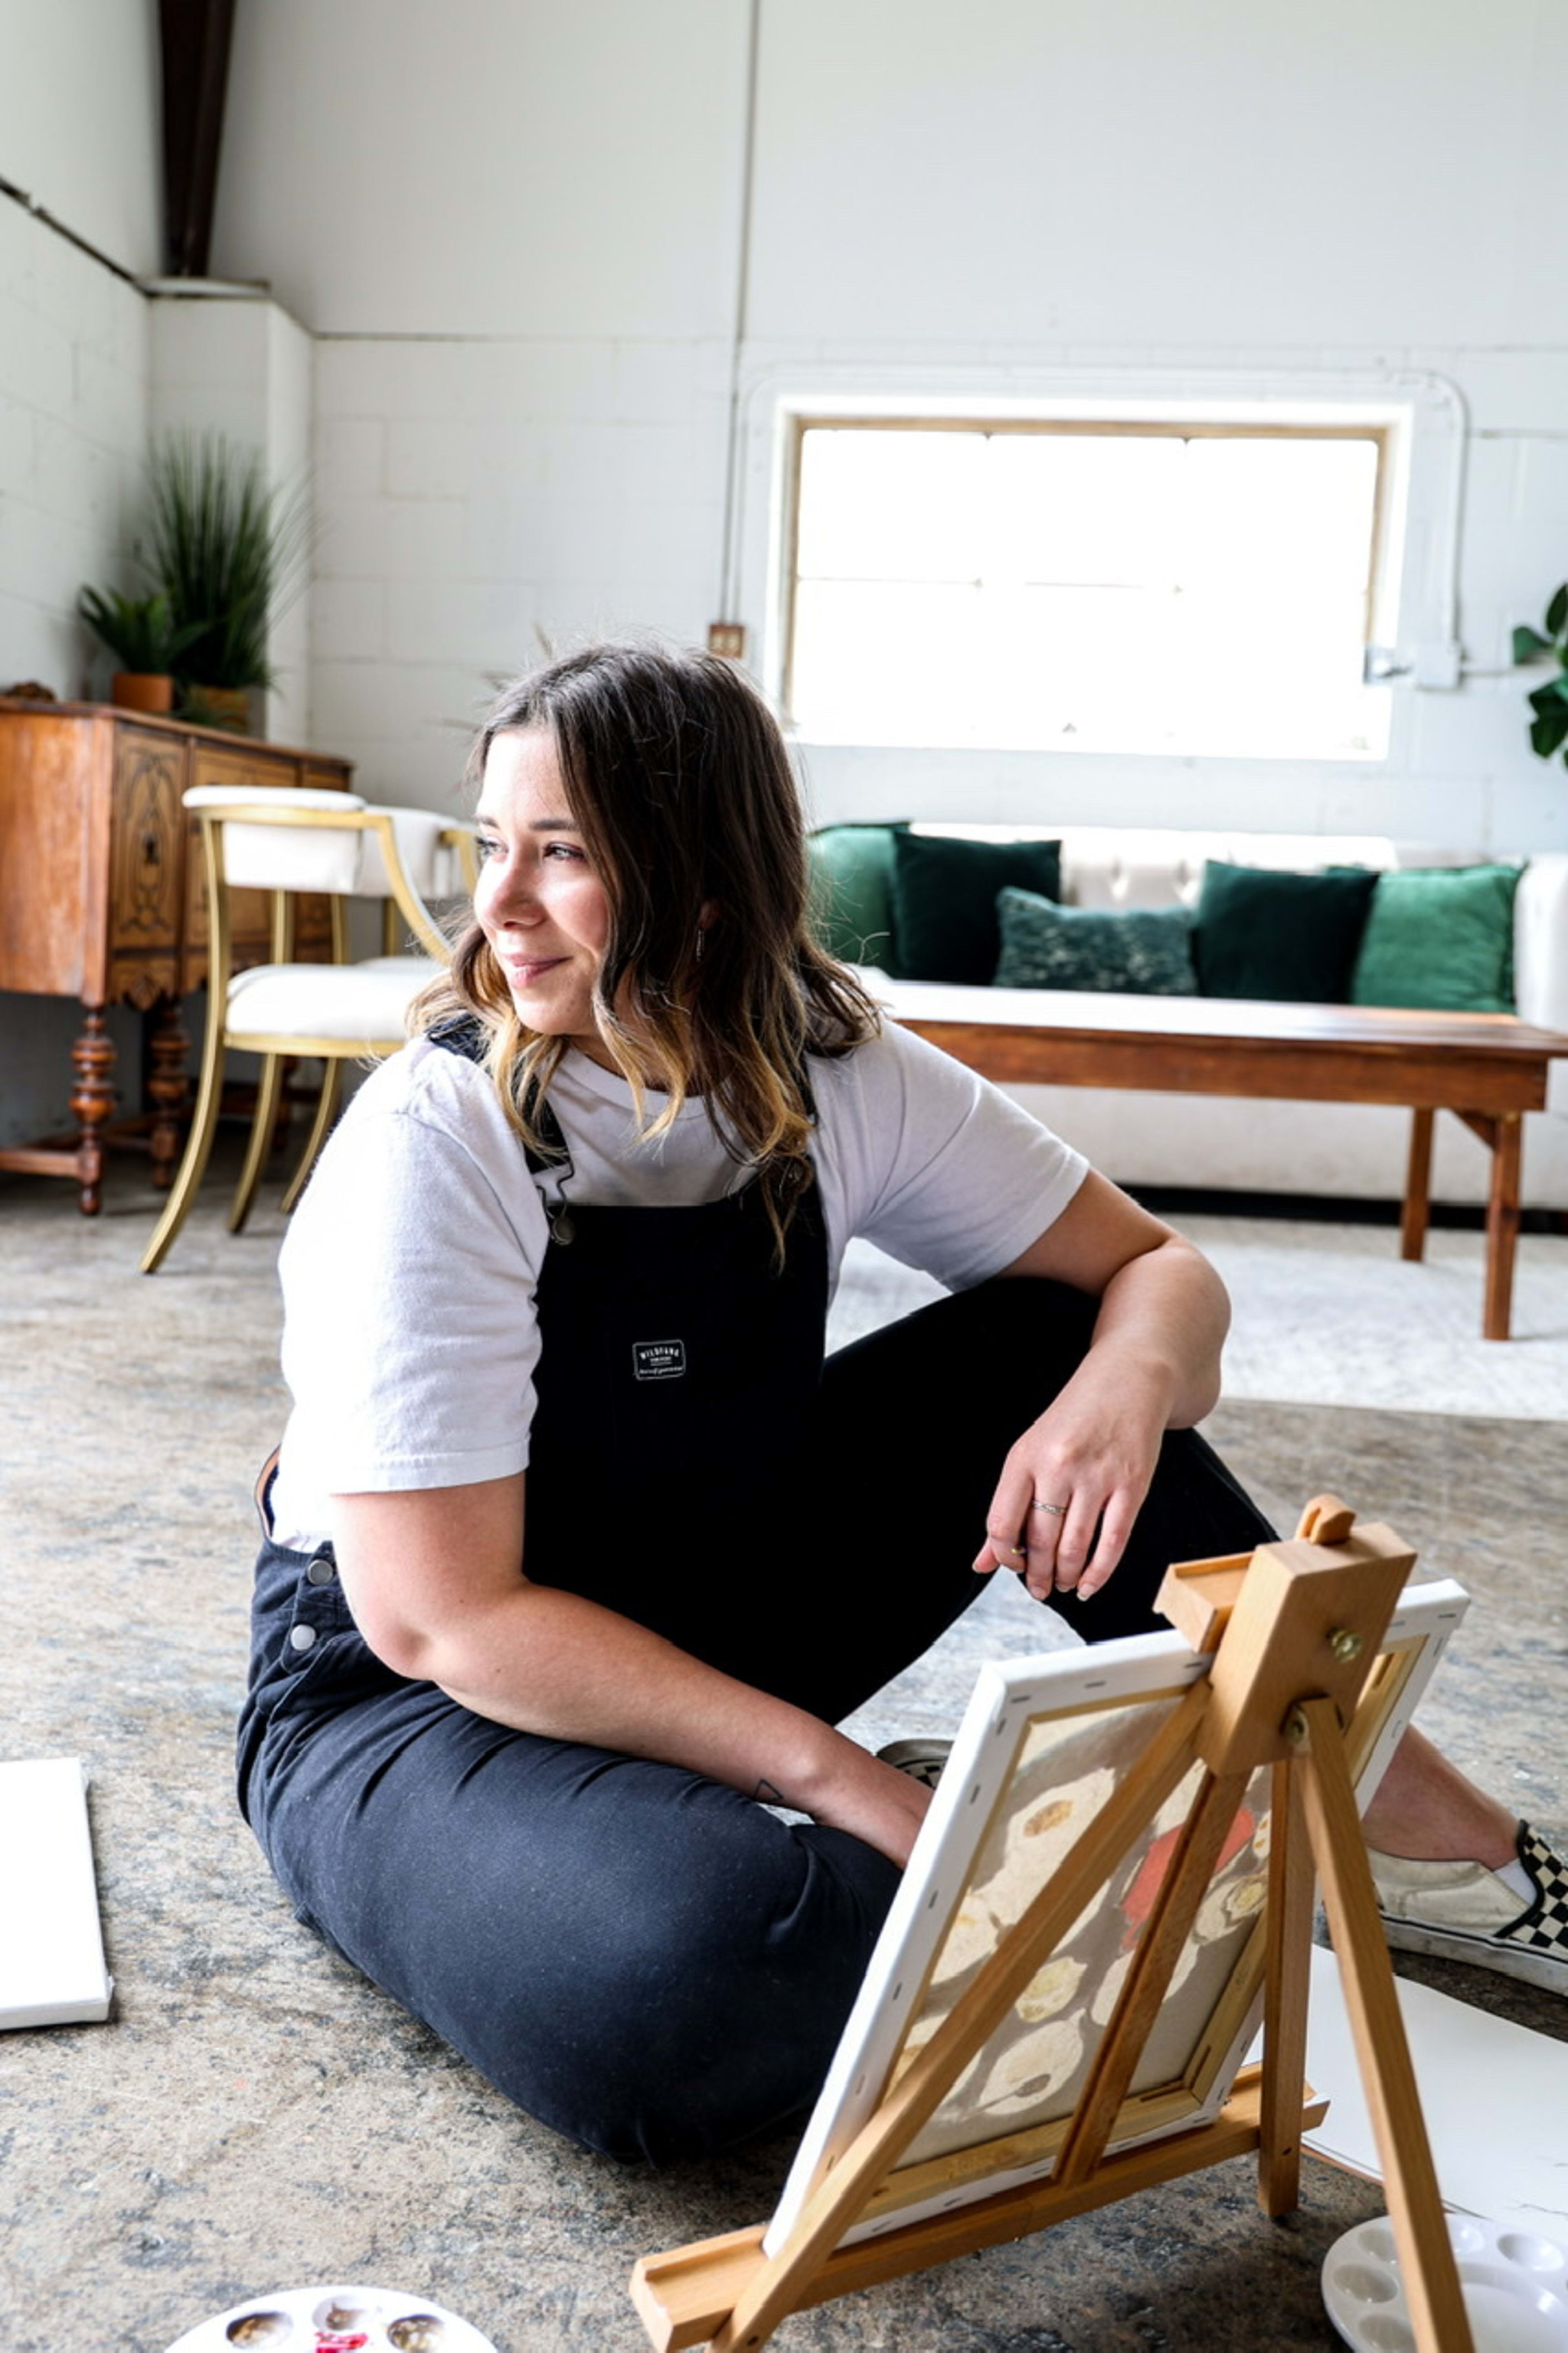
{"x":1072,"y":1486}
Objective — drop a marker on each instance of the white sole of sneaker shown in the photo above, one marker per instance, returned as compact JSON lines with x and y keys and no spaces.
{"x":1503,"y":1960}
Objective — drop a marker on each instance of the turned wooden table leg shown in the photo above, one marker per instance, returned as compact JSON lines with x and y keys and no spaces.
{"x":1502,"y":1225}
{"x":1417,"y":1186}
{"x":169,"y":1091}
{"x":92,"y":1059}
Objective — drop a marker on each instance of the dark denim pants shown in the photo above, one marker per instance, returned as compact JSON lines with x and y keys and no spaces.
{"x":647,"y":1961}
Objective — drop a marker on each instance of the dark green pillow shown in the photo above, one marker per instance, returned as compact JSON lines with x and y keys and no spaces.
{"x":1440,"y":937}
{"x":851,"y":879}
{"x":944,"y":900}
{"x":1291,"y":937}
{"x":1136,"y":951}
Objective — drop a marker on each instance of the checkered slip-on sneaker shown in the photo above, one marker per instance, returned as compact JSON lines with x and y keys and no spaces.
{"x":1462,"y":1911}
{"x":922,"y":1760}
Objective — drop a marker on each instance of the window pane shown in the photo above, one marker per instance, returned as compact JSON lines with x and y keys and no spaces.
{"x":890,"y":506}
{"x":1077,"y":507}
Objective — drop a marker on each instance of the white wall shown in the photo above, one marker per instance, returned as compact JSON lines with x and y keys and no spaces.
{"x":516,"y":230}
{"x":79,"y":120}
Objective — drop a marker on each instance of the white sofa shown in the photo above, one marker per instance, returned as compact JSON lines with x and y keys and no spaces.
{"x":1247,"y":1146}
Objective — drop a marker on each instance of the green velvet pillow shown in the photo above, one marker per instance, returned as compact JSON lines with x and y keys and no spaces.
{"x":1291,"y":937}
{"x":944,"y":900}
{"x":1440,"y":937}
{"x":1136,"y":951}
{"x":851,"y":882}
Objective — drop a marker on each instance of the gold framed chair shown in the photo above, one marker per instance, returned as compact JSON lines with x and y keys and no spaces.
{"x":285,"y":842}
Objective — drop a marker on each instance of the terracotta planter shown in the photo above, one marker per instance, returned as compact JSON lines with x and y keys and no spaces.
{"x":137,"y":689}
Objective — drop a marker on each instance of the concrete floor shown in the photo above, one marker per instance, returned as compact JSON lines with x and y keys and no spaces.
{"x":255,"y":2115}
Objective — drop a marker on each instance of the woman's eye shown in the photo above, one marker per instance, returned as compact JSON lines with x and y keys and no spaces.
{"x":487,"y":845}
{"x":561,"y":850}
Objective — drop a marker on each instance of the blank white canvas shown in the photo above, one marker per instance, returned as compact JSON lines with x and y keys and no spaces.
{"x":1494,"y":2094}
{"x":52,"y":1970}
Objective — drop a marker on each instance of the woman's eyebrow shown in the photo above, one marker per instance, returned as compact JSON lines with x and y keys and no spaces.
{"x":554,"y":825}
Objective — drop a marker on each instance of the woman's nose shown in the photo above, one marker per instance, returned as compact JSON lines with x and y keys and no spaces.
{"x":514,"y":898}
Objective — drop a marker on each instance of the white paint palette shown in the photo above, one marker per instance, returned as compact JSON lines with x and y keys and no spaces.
{"x":327,"y":2319}
{"x":1514,"y":2284}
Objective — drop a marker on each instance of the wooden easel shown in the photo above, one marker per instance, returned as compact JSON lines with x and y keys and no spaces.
{"x":1297,"y":1626}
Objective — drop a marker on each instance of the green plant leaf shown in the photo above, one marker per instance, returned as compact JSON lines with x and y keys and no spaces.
{"x":1557,"y":612}
{"x":139,"y":631}
{"x":1528,"y":643}
{"x":1548,"y":732}
{"x":231,"y":552}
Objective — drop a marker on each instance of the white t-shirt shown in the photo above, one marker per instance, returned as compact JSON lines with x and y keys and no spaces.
{"x":410,"y":1337}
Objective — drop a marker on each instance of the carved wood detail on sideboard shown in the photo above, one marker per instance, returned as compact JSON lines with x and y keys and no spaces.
{"x":103,"y":898}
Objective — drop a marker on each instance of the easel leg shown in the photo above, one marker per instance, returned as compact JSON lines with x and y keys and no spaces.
{"x":1415,"y":2205}
{"x":1286,"y":1986}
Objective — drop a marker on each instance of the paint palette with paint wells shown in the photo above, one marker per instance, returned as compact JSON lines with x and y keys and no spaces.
{"x":325,"y":2319}
{"x":1514,"y":2284}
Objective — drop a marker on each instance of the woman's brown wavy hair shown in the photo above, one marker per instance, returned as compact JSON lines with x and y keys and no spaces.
{"x":678,"y":778}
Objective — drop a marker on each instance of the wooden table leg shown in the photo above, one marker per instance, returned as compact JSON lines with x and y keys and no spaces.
{"x":168,"y":1089}
{"x":92,"y":1059}
{"x":1417,"y":1186}
{"x":1502,"y":1224}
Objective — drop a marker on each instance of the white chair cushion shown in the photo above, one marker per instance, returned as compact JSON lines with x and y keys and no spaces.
{"x":354,"y":1004}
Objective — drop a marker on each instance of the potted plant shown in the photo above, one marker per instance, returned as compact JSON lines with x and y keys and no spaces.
{"x":230,"y":552}
{"x":1549,"y":728}
{"x":141,"y":635}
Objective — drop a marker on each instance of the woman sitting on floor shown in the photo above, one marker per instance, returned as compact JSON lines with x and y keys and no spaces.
{"x":579,"y":1549}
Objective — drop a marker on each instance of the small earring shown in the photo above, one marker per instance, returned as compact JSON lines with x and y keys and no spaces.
{"x":702,"y":941}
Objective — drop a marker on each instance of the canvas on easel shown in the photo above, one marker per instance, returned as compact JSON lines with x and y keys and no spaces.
{"x":1043,"y":1744}
{"x":1110,"y":1886}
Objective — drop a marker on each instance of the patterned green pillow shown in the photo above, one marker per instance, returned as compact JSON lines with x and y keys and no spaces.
{"x":1136,"y":951}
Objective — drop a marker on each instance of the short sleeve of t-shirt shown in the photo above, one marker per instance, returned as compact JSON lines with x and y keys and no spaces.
{"x":410,"y":1340}
{"x":920,"y":1155}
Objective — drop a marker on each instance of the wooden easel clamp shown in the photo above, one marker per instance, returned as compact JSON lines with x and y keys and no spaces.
{"x":1295,"y":1627}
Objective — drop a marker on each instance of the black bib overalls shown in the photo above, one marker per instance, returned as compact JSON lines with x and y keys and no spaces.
{"x":650,"y":1961}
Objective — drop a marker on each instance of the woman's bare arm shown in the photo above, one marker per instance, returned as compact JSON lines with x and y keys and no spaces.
{"x":1153,"y":1365}
{"x":433,"y":1580}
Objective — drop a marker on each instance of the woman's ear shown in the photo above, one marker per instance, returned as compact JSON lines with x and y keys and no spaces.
{"x":707,"y":914}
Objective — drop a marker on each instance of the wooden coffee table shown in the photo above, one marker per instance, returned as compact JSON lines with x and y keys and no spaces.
{"x":1488,"y":1069}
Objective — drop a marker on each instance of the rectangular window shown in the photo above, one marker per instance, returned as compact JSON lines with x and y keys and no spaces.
{"x":1086,"y":585}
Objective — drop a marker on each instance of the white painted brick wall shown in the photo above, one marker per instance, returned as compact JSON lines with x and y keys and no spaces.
{"x":73,"y":422}
{"x":484,"y":501}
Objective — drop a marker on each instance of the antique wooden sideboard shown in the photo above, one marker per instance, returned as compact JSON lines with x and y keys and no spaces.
{"x":103,"y":895}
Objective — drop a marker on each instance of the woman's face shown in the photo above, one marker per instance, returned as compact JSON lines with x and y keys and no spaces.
{"x":542,"y":907}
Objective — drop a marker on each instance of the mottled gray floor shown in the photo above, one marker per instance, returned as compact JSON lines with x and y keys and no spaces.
{"x":255,"y":2115}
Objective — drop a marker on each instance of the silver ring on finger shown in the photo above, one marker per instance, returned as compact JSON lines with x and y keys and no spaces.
{"x":1058,"y":1511}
